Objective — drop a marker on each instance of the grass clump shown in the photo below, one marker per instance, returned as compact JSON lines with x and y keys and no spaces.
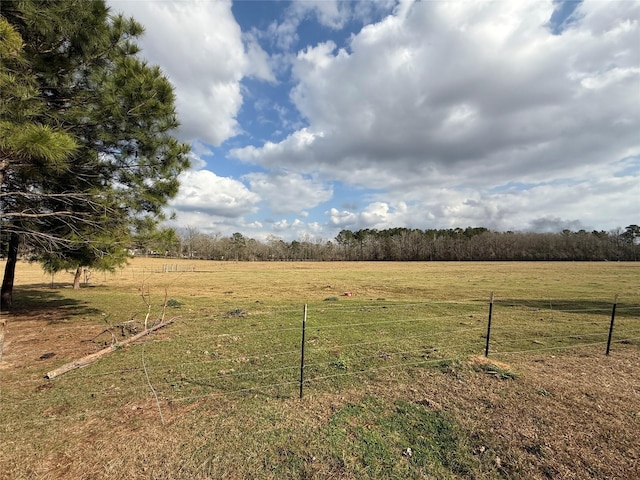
{"x":235,"y":313}
{"x":498,"y":369}
{"x":172,"y":302}
{"x":498,"y":372}
{"x":340,"y":363}
{"x":378,"y":439}
{"x":448,"y":366}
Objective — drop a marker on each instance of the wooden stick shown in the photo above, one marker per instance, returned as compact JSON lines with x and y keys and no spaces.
{"x":89,"y":359}
{"x":3,"y":327}
{"x":148,"y":304}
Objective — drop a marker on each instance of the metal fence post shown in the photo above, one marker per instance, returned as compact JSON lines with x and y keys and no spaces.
{"x":304,"y":324}
{"x":613,"y":316}
{"x":486,"y":348}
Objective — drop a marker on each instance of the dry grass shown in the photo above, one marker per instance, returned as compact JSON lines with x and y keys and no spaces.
{"x":565,"y":413}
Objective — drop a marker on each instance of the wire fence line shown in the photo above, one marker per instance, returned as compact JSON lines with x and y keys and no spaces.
{"x":277,"y":331}
{"x":198,"y":367}
{"x":565,"y":347}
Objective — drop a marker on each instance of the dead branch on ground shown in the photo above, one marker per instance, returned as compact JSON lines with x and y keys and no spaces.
{"x":89,"y":359}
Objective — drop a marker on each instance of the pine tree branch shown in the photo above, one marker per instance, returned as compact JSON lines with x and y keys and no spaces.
{"x":74,"y":215}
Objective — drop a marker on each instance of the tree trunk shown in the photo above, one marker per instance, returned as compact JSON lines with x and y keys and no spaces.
{"x":76,"y":279}
{"x":6,"y":294}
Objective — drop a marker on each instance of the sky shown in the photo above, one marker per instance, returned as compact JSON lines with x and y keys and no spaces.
{"x":309,"y":117}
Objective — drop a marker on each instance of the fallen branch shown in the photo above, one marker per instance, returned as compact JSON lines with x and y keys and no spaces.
{"x":89,"y":359}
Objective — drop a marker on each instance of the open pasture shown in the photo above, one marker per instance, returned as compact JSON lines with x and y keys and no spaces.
{"x":395,"y":384}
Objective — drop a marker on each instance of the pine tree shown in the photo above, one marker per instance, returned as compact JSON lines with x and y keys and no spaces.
{"x":27,"y":148}
{"x":91,"y":84}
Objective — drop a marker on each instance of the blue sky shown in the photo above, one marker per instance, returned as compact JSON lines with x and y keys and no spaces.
{"x":308,"y":117}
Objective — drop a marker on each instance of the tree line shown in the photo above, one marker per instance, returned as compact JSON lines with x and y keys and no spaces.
{"x":404,"y":244}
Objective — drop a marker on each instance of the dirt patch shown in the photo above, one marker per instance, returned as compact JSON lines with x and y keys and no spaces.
{"x":37,"y":339}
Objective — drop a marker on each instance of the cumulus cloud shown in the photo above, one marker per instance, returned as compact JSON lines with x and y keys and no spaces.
{"x":283,"y":34}
{"x":295,"y":229}
{"x":512,"y":206}
{"x":378,"y":215}
{"x":444,"y":114}
{"x":205,"y":193}
{"x":521,"y":206}
{"x":329,"y":13}
{"x":200,"y":48}
{"x":271,"y":153}
{"x":451,"y":92}
{"x":287,"y":192}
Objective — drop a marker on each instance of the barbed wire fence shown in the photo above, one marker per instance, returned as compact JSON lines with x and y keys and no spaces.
{"x":284,"y":352}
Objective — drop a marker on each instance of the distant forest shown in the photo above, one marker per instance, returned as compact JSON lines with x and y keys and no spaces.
{"x":404,"y":244}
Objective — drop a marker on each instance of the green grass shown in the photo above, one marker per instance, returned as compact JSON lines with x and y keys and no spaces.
{"x":226,"y":371}
{"x":377,"y":439}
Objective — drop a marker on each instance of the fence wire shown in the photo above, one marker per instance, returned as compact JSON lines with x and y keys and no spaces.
{"x":421,"y":334}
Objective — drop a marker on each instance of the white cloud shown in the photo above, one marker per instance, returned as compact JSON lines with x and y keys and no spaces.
{"x":205,"y":193}
{"x":452,"y":92}
{"x":564,"y":203}
{"x":259,"y":63}
{"x":278,"y":155}
{"x":367,"y":11}
{"x":199,"y":46}
{"x":296,"y":229}
{"x":342,"y":219}
{"x":520,"y":207}
{"x":378,"y":215}
{"x":284,"y":34}
{"x":329,"y":13}
{"x":550,"y":224}
{"x":287,"y":192}
{"x":445,"y":114}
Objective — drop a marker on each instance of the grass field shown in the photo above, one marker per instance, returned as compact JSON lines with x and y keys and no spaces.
{"x":396,"y":385}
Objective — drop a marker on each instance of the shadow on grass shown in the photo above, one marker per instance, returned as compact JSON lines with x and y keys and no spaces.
{"x":40,"y":302}
{"x":577,"y":307}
